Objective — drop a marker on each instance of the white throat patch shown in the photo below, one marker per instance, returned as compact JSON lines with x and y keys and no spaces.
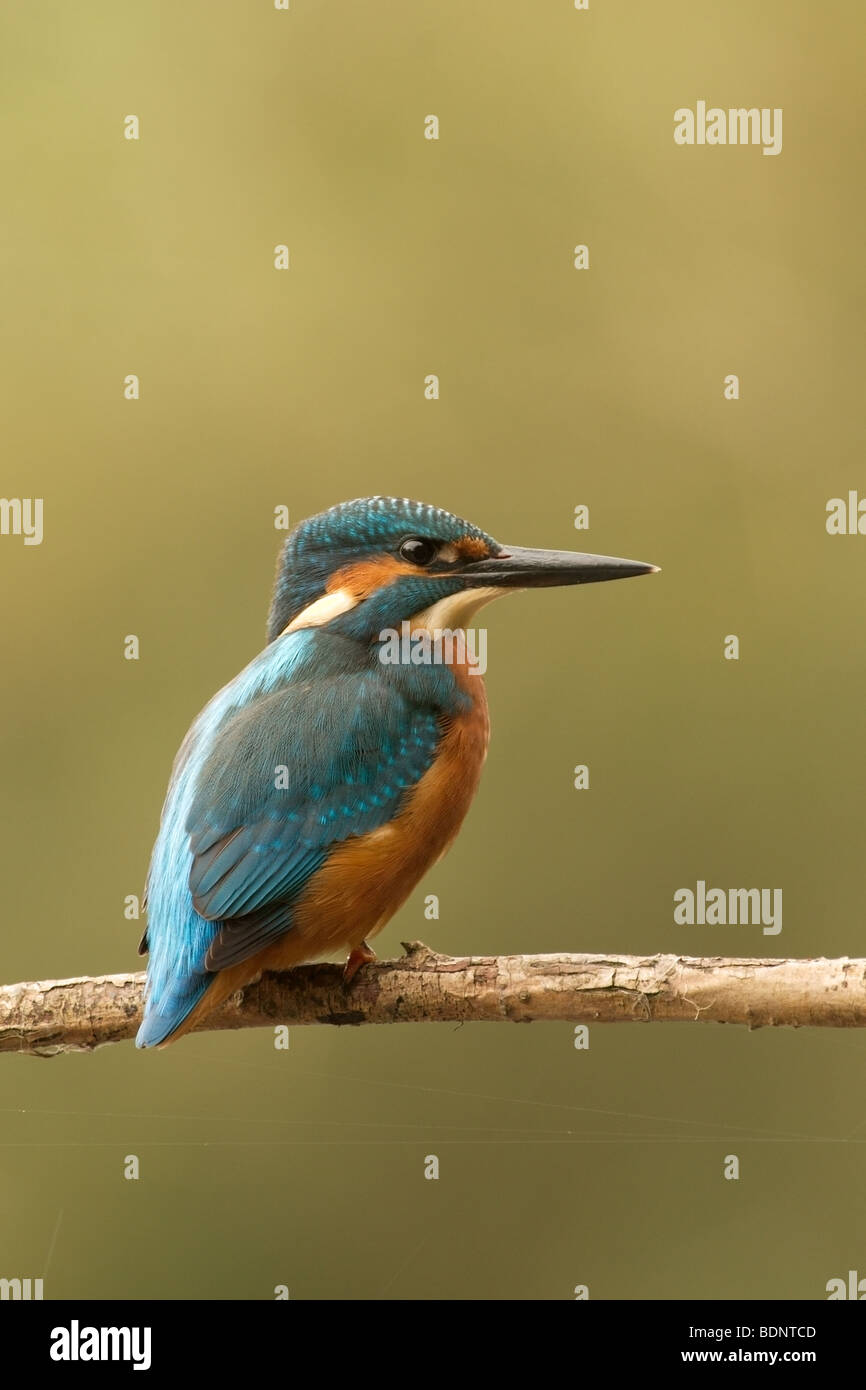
{"x":456,"y":610}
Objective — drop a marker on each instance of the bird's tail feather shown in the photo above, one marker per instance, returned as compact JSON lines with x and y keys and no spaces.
{"x":163,"y":1015}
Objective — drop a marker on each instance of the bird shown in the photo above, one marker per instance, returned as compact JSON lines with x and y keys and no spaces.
{"x":318,"y":786}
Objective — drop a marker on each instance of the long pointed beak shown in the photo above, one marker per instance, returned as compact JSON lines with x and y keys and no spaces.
{"x":517,"y":568}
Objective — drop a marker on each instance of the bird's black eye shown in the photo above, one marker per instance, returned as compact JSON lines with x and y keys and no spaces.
{"x":419,"y":551}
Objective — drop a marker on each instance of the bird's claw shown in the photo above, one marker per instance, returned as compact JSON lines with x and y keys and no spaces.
{"x":358,"y":956}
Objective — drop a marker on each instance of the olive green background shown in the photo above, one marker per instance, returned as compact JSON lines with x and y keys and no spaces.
{"x":558,"y":1167}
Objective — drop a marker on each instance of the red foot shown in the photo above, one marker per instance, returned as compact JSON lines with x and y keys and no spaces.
{"x":361,"y":955}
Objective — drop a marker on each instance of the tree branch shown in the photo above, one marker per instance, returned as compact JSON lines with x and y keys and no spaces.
{"x":78,"y":1015}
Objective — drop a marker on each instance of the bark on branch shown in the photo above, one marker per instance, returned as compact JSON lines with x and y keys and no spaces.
{"x":421,"y":987}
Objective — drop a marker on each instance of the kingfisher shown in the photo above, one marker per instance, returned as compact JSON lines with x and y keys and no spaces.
{"x":316,"y":789}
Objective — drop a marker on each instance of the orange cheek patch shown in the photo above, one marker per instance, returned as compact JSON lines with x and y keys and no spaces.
{"x":365,"y":577}
{"x":472,"y":548}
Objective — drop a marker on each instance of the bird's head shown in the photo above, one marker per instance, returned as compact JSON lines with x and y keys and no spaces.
{"x":371,"y":564}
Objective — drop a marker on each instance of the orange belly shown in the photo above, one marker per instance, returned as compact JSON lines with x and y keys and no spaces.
{"x":365,"y":880}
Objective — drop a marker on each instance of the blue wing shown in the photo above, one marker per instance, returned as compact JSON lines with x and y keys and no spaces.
{"x":290,"y":759}
{"x":292,"y":775}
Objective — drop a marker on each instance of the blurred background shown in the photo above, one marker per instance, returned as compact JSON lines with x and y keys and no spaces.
{"x":559,"y":387}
